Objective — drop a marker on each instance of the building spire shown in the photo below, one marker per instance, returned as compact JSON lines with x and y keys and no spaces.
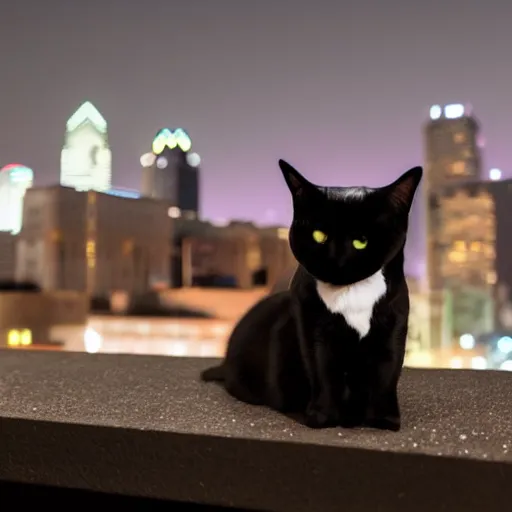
{"x":87,"y":112}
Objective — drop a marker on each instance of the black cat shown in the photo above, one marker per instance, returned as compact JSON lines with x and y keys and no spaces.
{"x":332,"y":346}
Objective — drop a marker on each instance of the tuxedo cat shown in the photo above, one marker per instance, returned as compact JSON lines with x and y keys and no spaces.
{"x":331,"y":348}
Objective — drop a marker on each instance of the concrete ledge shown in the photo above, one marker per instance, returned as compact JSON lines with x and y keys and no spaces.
{"x":144,"y":426}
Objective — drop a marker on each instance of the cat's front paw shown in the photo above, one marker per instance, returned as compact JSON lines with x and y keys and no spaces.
{"x":321,"y":418}
{"x":351,"y":421}
{"x":385,"y":423}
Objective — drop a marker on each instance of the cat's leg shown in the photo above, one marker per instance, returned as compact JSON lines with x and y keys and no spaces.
{"x":354,"y":405}
{"x":323,"y":409}
{"x":383,"y":410}
{"x":287,"y":387}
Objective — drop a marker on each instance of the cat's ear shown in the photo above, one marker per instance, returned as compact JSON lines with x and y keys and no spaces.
{"x":401,"y":192}
{"x":297,"y":184}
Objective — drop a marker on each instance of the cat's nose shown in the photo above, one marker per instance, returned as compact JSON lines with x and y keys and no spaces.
{"x":332,"y":250}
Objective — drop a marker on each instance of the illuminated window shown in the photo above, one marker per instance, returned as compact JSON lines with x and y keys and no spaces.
{"x":491,"y":278}
{"x":13,"y":338}
{"x":91,"y":253}
{"x":458,"y":168}
{"x":459,"y":137}
{"x":459,"y":245}
{"x":91,"y":248}
{"x":457,"y":256}
{"x":26,"y":337}
{"x":476,"y":246}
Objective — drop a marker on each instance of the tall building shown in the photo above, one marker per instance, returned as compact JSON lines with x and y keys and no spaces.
{"x":473,"y":248}
{"x":452,"y":156}
{"x":15,"y":179}
{"x":171,"y":172}
{"x":93,"y":242}
{"x":86,"y":159}
{"x":452,"y":149}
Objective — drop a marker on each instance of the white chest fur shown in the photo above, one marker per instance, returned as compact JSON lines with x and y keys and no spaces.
{"x":354,"y":302}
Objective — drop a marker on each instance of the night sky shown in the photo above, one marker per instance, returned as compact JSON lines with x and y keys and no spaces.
{"x":340,"y":89}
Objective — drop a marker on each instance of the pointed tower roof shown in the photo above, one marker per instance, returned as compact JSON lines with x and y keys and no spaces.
{"x":87,"y":112}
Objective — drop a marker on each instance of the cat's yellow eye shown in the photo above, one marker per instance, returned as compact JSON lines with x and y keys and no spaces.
{"x":360,"y":244}
{"x":319,"y":237}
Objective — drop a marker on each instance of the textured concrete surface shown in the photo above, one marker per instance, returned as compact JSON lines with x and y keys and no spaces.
{"x":146,"y":426}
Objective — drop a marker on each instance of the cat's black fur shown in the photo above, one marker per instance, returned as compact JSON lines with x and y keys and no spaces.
{"x":290,"y":352}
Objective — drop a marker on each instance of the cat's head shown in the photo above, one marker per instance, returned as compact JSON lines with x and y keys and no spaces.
{"x":342,"y":235}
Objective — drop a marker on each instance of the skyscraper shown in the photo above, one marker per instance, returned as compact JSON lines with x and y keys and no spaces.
{"x":171,"y":172}
{"x":452,"y":157}
{"x":86,"y":160}
{"x":15,"y":179}
{"x":452,"y":151}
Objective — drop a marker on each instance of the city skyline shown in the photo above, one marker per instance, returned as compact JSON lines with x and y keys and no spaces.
{"x":316,"y":90}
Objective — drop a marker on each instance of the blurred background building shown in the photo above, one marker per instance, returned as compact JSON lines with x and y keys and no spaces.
{"x":15,"y":179}
{"x":171,"y":172}
{"x":137,"y":256}
{"x":93,"y":242}
{"x":86,"y":159}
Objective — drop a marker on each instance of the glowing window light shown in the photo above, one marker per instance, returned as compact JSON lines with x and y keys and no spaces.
{"x":26,"y":337}
{"x":13,"y":338}
{"x":90,"y":252}
{"x":87,"y":112}
{"x":495,"y":175}
{"x":454,"y":111}
{"x":435,"y":112}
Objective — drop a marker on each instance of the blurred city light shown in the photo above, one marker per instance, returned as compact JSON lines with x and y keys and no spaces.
{"x":479,"y":363}
{"x":193,"y":159}
{"x":505,"y":344}
{"x":455,"y":362}
{"x":92,"y":341}
{"x":435,"y":112}
{"x":506,"y":365}
{"x":495,"y":175}
{"x":147,"y":159}
{"x":467,"y":342}
{"x":454,"y":111}
{"x":162,"y":162}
